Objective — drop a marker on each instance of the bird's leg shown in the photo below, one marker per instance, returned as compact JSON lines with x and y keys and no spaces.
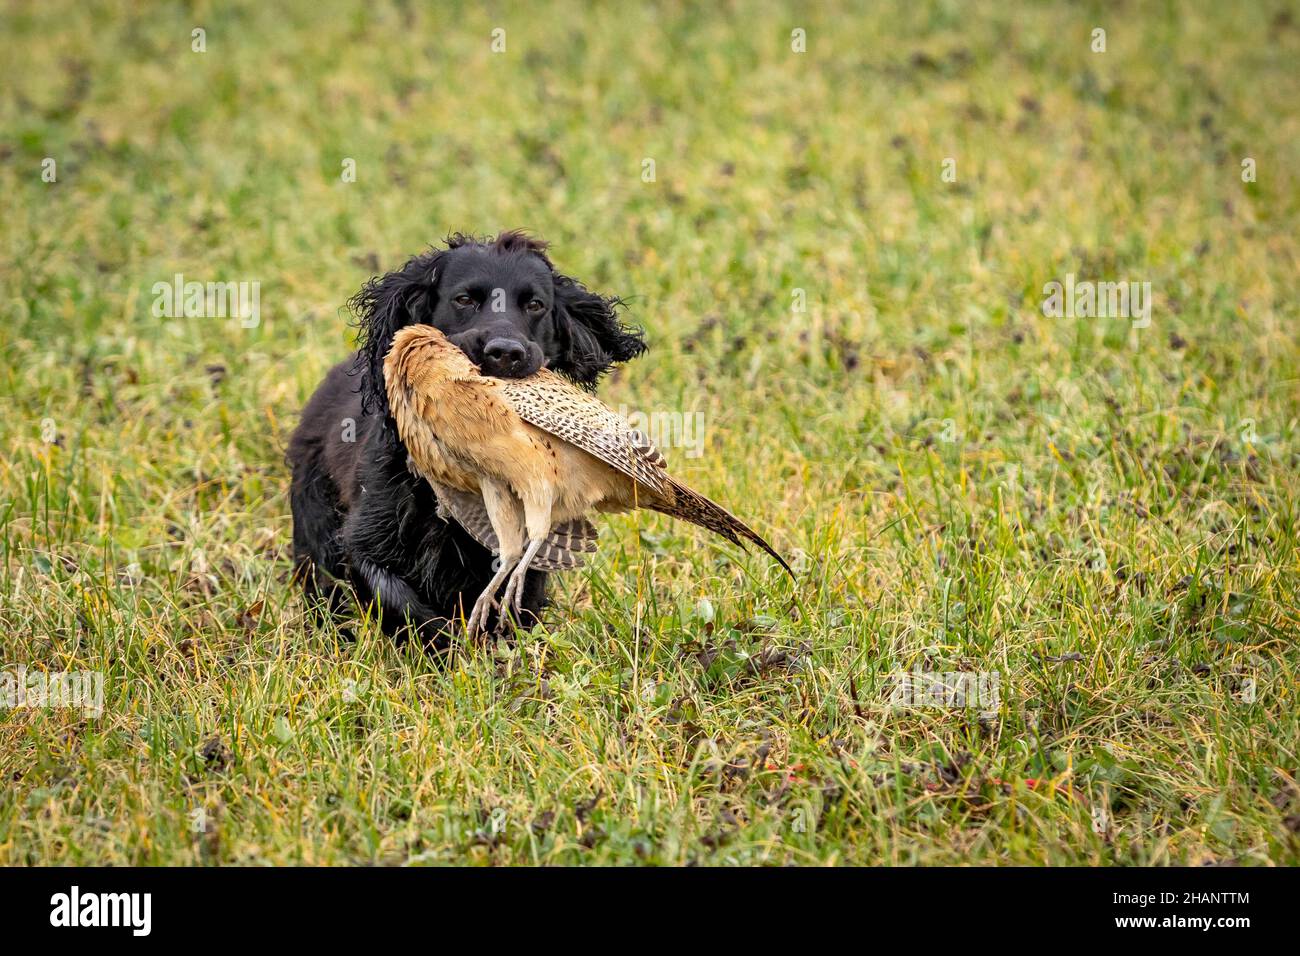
{"x":507,"y":519}
{"x":513,"y":598}
{"x":537,"y":521}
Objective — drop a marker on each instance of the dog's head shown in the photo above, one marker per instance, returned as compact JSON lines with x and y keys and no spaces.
{"x":502,"y":303}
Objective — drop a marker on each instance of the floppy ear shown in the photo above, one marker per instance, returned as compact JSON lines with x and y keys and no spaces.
{"x":592,"y":339}
{"x":384,"y":305}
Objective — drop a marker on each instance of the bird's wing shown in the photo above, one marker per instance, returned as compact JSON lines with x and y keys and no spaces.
{"x":564,"y":548}
{"x":549,"y":402}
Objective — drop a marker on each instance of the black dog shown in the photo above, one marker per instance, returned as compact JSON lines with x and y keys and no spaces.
{"x":360,"y":517}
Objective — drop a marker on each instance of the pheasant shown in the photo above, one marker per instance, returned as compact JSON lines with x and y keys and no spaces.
{"x":520,"y":463}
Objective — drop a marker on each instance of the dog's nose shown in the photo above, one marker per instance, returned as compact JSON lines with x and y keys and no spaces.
{"x":503,"y":356}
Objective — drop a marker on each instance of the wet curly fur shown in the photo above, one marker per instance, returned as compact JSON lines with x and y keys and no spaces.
{"x":363,"y":524}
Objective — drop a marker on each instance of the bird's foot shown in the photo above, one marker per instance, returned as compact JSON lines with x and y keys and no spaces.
{"x":513,"y":597}
{"x":476,"y":624}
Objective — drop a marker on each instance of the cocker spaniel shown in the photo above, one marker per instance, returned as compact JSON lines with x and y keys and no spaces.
{"x":361,"y":519}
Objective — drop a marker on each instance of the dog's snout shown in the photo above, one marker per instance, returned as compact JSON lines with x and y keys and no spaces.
{"x":504,"y":357}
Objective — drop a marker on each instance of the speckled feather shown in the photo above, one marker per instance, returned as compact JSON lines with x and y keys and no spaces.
{"x":552,"y":404}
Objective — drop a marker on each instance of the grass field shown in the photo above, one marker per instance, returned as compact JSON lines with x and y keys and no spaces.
{"x":840,"y":262}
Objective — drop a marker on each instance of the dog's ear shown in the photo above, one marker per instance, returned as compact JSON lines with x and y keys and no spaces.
{"x":384,"y":305}
{"x":592,"y":339}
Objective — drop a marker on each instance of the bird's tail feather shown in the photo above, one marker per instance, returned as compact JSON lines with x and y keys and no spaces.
{"x":690,"y":505}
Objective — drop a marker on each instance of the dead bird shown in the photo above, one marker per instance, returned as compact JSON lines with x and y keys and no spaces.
{"x":520,"y":463}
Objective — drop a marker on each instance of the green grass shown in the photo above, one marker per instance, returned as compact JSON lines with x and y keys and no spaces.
{"x":1106,"y":516}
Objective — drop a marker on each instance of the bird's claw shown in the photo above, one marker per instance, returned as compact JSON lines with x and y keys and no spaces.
{"x":476,"y":625}
{"x":513,"y":597}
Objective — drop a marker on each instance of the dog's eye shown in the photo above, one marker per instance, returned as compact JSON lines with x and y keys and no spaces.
{"x":536,"y":307}
{"x":463,"y":300}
